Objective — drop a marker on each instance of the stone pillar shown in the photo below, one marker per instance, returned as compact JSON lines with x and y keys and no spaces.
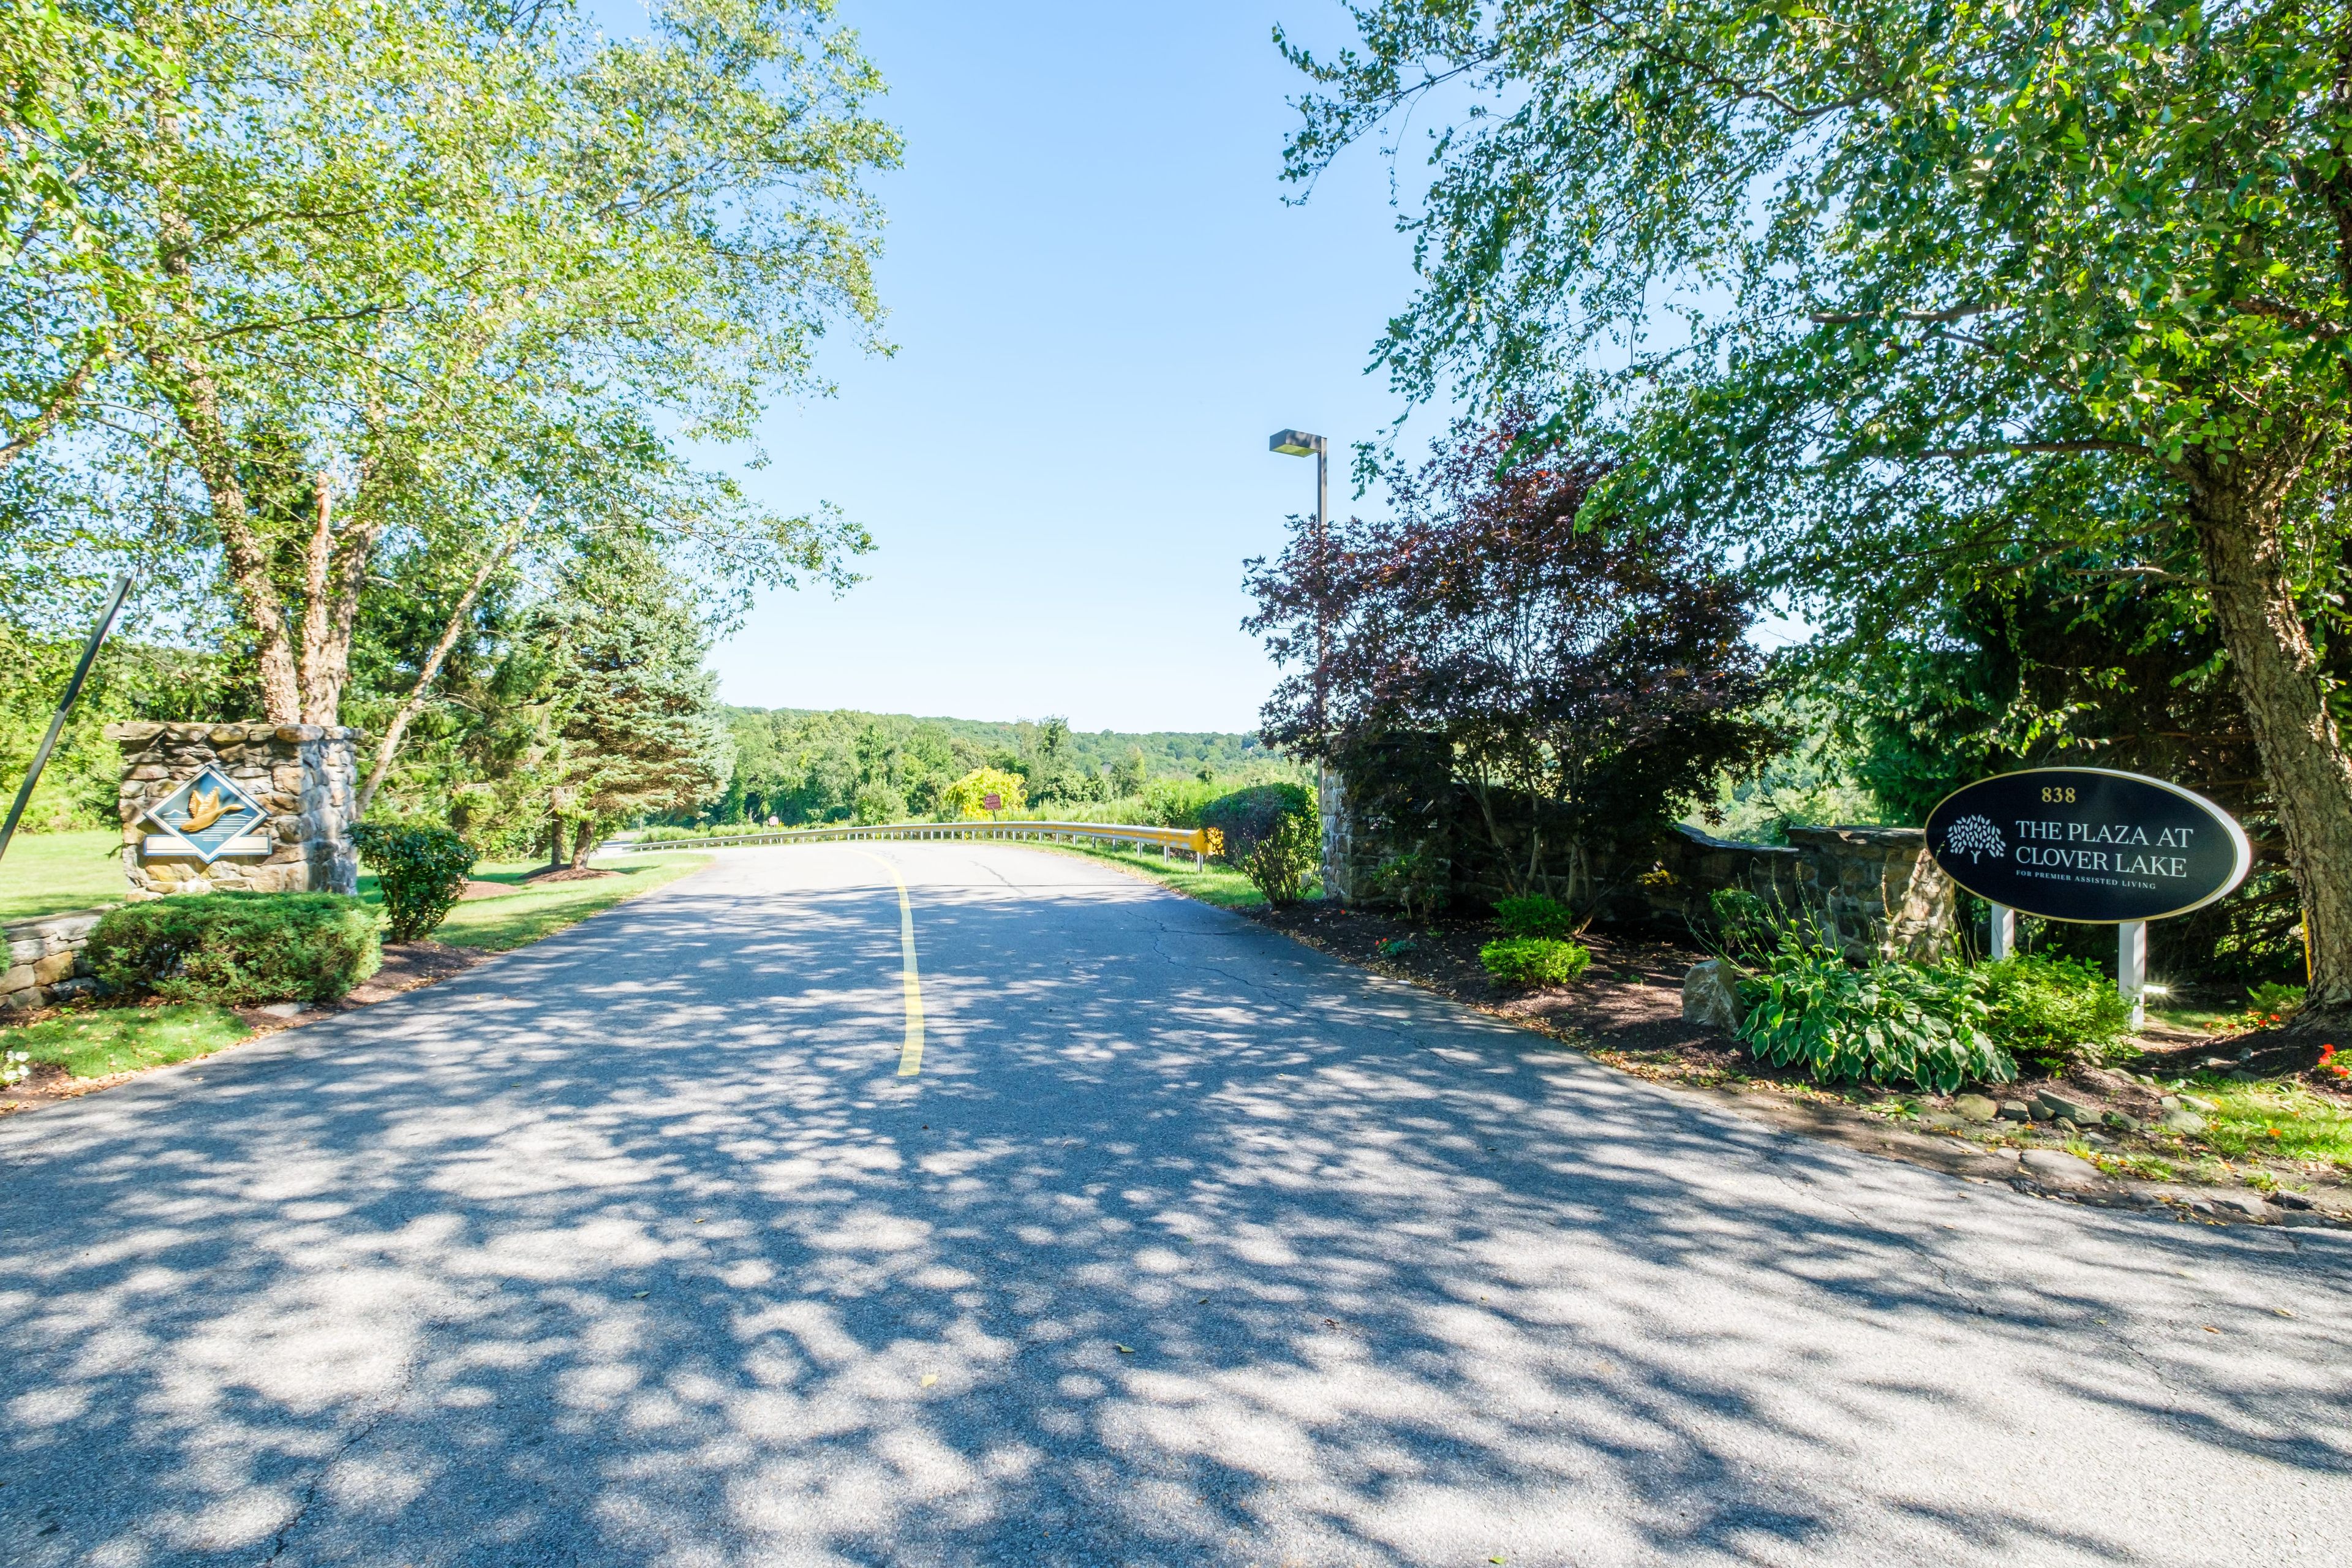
{"x":263,"y":808}
{"x":1338,"y":833}
{"x":1882,"y":890}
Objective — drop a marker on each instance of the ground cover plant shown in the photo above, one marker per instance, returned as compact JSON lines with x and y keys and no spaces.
{"x":1887,"y":1022}
{"x":2282,"y":1120}
{"x":92,"y":1042}
{"x":1532,"y":961}
{"x":2051,"y":1010}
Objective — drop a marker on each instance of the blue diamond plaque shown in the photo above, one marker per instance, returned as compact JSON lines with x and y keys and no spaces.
{"x":207,"y":817}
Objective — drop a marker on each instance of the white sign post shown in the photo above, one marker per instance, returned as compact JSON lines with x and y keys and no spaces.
{"x":2131,"y":967}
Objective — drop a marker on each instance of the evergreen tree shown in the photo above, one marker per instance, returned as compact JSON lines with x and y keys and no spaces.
{"x":632,"y":723}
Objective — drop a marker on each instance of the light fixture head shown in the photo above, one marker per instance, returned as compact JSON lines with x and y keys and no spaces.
{"x":1293,"y":442}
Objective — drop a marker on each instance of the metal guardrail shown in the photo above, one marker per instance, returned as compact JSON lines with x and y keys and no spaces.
{"x":1194,"y":841}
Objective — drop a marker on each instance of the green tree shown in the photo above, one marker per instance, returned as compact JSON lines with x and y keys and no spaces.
{"x":632,"y":723}
{"x":337,"y":257}
{"x":968,"y":797}
{"x":1959,"y":286}
{"x":1128,"y":773}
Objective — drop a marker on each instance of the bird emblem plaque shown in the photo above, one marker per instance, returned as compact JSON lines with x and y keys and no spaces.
{"x":206,"y":818}
{"x":2087,"y":845}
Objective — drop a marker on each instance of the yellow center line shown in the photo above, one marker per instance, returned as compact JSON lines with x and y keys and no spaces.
{"x":910,"y":1054}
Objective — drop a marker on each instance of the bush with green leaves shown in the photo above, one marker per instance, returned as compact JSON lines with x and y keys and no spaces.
{"x":2051,"y":1009}
{"x":1535,"y":915}
{"x":1745,"y":925}
{"x":237,"y":949}
{"x":1421,"y":882}
{"x":1283,"y":863}
{"x":1888,"y":1023}
{"x":1534,"y":961}
{"x":1242,"y":816}
{"x":421,"y":872}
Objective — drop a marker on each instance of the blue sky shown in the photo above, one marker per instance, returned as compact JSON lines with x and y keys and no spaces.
{"x":1102,"y":308}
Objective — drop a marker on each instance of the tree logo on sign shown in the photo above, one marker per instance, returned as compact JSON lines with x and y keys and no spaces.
{"x":1974,"y":835}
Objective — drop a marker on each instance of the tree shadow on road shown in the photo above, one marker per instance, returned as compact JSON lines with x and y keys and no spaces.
{"x":1188,"y":1246}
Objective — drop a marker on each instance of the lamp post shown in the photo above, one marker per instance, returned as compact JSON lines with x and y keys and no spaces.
{"x":1298,"y":444}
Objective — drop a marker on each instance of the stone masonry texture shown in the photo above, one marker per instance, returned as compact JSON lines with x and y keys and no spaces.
{"x":1877,"y":888}
{"x":45,"y":963}
{"x":305,"y":776}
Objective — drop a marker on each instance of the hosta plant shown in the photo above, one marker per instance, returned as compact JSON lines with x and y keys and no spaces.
{"x":1887,"y":1023}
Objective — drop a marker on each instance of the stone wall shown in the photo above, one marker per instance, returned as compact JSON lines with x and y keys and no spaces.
{"x":1877,"y":887}
{"x":45,"y":960}
{"x":303,"y":776}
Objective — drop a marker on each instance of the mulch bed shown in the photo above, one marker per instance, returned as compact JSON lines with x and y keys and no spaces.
{"x":1626,"y":1012}
{"x":566,"y":873}
{"x":1632,"y":993}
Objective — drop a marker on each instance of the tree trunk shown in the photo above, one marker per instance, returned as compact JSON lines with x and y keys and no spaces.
{"x":583,"y":844}
{"x":389,"y":747}
{"x":318,"y":570}
{"x":195,"y":397}
{"x":2236,"y":511}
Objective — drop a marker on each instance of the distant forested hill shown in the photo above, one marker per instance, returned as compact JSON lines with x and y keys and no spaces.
{"x":803,"y":765}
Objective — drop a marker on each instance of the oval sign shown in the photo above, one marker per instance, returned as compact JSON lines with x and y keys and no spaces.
{"x":2087,"y":845}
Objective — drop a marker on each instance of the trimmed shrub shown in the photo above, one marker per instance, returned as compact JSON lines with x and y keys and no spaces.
{"x":1534,"y":960}
{"x":421,"y":872}
{"x":1535,"y":915}
{"x":1283,"y":863}
{"x":1247,"y":816}
{"x":1891,"y":1023}
{"x":2053,"y":1008}
{"x":237,"y":949}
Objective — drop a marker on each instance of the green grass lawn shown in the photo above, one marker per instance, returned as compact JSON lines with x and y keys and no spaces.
{"x":52,"y":873}
{"x":2284,"y":1120}
{"x":1211,"y":884}
{"x":526,"y":914}
{"x":101,"y":1040}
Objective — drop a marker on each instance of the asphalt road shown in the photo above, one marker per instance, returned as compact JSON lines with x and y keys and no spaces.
{"x":1185,"y":1246}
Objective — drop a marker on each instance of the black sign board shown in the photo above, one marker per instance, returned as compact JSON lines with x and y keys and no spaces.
{"x":2087,"y":845}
